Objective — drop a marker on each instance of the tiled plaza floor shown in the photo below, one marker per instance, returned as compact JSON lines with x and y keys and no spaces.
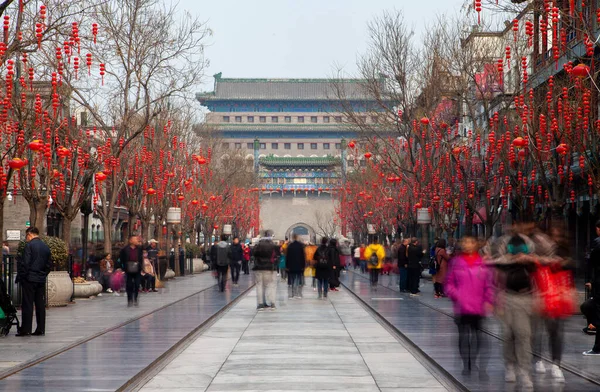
{"x":429,"y":324}
{"x":110,"y":360}
{"x":305,"y":345}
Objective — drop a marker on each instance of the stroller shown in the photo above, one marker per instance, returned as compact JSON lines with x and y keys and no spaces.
{"x":10,"y":312}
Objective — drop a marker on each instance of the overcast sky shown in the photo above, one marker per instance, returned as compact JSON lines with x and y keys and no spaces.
{"x":297,"y":38}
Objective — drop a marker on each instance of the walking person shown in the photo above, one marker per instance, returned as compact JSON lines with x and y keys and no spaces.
{"x":469,"y":285}
{"x":441,"y":267}
{"x":323,"y":268}
{"x":514,"y":260}
{"x":181,"y":261}
{"x":333,"y":253}
{"x":403,"y":265}
{"x":221,"y":258}
{"x":414,"y":256}
{"x":553,"y":275}
{"x":236,"y":255}
{"x":131,"y":259}
{"x":295,"y":263}
{"x":264,"y":273}
{"x":345,"y":254}
{"x":362,"y":259}
{"x":246,"y":260}
{"x":591,"y":307}
{"x":32,"y":269}
{"x":375,"y":255}
{"x":356,"y":257}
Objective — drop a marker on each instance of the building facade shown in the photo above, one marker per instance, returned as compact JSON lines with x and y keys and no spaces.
{"x":294,"y":132}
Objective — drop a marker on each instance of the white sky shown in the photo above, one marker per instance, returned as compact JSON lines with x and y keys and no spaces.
{"x":297,"y":38}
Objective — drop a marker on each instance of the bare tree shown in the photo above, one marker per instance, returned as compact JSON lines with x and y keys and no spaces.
{"x":325,"y":224}
{"x":151,"y":57}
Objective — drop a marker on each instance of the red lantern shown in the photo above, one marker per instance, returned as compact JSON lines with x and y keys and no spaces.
{"x":519,"y":142}
{"x":129,"y":182}
{"x":17,"y":163}
{"x":562,"y":149}
{"x":36,"y":145}
{"x":352,"y":144}
{"x":151,"y":191}
{"x":195,"y":202}
{"x":425,"y":121}
{"x":204,"y":207}
{"x":201,"y":160}
{"x":368,"y":155}
{"x":436,"y":199}
{"x":180,"y":197}
{"x":216,"y":227}
{"x":580,"y":71}
{"x":100,"y":176}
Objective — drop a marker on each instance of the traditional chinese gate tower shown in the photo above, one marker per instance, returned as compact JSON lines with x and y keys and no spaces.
{"x":293,"y":131}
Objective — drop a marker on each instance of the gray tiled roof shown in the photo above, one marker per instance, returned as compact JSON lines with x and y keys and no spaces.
{"x":283,"y":89}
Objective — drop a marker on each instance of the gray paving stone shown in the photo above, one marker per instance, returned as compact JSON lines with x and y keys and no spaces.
{"x":306,"y":345}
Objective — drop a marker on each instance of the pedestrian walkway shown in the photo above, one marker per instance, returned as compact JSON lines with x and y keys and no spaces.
{"x":305,"y":345}
{"x":429,"y":324}
{"x":68,"y":326}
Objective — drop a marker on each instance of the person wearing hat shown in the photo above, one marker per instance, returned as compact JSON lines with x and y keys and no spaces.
{"x":153,"y":254}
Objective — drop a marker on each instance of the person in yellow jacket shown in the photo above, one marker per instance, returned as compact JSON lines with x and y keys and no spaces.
{"x":375,"y":256}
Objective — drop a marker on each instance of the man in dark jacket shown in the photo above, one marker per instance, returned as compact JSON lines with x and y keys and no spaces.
{"x":236,"y":255}
{"x":415,"y":255}
{"x":181,"y":261}
{"x":264,"y":267}
{"x":220,"y":256}
{"x":591,"y":307}
{"x":132,"y":261}
{"x":403,"y":265}
{"x":32,"y":270}
{"x":295,"y":262}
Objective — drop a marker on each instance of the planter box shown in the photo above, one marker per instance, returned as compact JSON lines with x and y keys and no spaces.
{"x":60,"y":288}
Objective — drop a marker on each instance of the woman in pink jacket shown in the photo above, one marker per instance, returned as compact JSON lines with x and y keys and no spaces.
{"x":469,"y":285}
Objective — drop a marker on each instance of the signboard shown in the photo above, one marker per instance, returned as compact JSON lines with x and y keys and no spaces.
{"x":13,"y":235}
{"x":27,"y":224}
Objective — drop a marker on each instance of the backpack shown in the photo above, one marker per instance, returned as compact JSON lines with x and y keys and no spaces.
{"x":373,"y":259}
{"x":222,"y":256}
{"x":322,"y":260}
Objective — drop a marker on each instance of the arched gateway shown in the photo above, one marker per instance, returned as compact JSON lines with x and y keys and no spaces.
{"x":305,"y":232}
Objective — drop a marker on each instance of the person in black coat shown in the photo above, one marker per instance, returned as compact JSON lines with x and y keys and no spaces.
{"x":333,"y":253}
{"x":32,"y":270}
{"x":236,"y":255}
{"x":132,"y":260}
{"x":295,"y":263}
{"x":181,"y":261}
{"x":323,"y":268}
{"x":415,"y":255}
{"x":403,"y":265}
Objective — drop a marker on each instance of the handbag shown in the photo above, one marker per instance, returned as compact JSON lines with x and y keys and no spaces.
{"x":132,"y":267}
{"x":557,"y":292}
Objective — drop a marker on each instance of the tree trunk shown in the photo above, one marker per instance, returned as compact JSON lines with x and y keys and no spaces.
{"x":145,"y":228}
{"x":469,"y":225}
{"x":2,"y":200}
{"x":107,"y":226}
{"x":66,"y":231}
{"x":130,"y":225}
{"x":37,"y":213}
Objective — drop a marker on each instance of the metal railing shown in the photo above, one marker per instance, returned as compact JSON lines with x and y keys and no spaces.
{"x":8,"y":273}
